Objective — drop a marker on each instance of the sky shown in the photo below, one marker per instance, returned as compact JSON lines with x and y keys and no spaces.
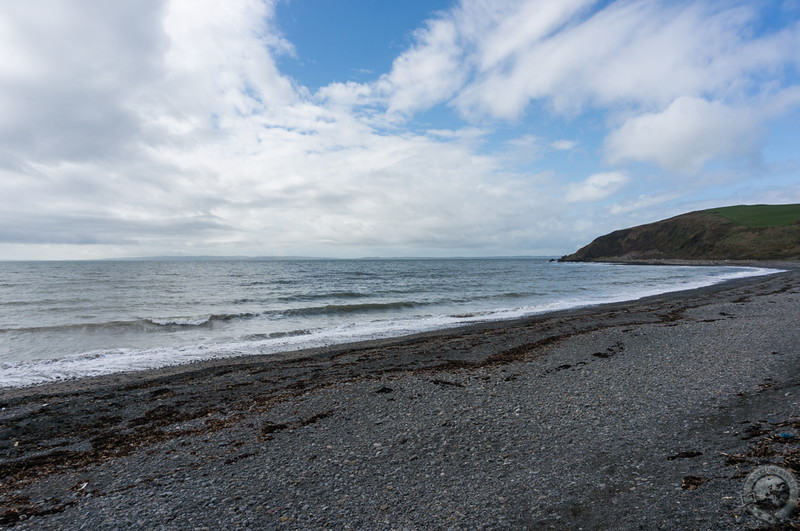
{"x":350,"y":128}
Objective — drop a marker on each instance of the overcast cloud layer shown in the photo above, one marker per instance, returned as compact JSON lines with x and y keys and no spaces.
{"x":504,"y":127}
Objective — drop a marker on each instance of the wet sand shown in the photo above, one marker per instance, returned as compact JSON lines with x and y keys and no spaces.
{"x":647,"y":413}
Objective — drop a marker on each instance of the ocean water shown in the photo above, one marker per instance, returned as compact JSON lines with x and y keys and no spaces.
{"x":61,"y":320}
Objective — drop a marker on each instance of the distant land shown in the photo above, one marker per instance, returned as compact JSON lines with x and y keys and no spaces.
{"x":743,"y":232}
{"x":203,"y":258}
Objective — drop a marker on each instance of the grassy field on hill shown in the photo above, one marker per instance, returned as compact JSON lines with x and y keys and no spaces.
{"x":744,"y":232}
{"x":761,"y":215}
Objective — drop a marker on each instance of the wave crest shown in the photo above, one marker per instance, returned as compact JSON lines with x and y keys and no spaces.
{"x":355,"y":308}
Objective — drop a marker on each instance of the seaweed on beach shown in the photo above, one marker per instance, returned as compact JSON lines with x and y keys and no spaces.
{"x":775,"y":446}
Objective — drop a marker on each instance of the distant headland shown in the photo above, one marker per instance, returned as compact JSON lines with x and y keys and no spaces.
{"x":744,"y":232}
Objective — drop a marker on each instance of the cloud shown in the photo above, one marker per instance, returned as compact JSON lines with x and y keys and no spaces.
{"x":563,"y":145}
{"x":432,"y":70}
{"x":687,"y":75}
{"x":67,"y":72}
{"x":596,"y":187}
{"x":474,"y":37}
{"x":111,"y":104}
{"x":527,"y":148}
{"x":522,"y":26}
{"x":635,"y":52}
{"x":685,"y":136}
{"x":644,"y":201}
{"x":505,"y":54}
{"x":213,"y":149}
{"x":345,"y":95}
{"x":220,"y":64}
{"x":168,"y":126}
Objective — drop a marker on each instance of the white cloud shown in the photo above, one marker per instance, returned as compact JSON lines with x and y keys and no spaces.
{"x":477,"y":35}
{"x":688,"y":74}
{"x":685,"y":136}
{"x":528,"y":148}
{"x":521,"y":27}
{"x":525,"y":147}
{"x":168,"y":125}
{"x":641,"y":52}
{"x":644,"y":202}
{"x":65,"y":75}
{"x":428,"y":73}
{"x":223,"y":152}
{"x":219,"y":63}
{"x":596,"y":187}
{"x":563,"y":145}
{"x":345,"y":95}
{"x":465,"y":133}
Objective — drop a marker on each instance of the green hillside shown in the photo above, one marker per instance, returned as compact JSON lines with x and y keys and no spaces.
{"x":761,"y":215}
{"x":744,"y":232}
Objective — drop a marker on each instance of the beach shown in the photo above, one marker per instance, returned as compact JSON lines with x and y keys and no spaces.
{"x":646,"y":414}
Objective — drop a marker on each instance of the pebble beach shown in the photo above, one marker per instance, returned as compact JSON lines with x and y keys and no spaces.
{"x":638,"y":415}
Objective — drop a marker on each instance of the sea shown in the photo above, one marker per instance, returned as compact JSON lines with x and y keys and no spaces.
{"x":66,"y":320}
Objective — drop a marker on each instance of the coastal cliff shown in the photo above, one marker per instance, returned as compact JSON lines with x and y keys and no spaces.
{"x":745,"y":232}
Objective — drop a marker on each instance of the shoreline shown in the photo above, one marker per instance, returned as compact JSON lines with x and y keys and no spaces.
{"x":491,"y":425}
{"x":72,"y":383}
{"x":776,"y":264}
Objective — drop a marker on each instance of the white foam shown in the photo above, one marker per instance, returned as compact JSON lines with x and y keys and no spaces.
{"x":182,"y":321}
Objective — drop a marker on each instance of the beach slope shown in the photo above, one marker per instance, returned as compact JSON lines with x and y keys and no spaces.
{"x":641,"y":414}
